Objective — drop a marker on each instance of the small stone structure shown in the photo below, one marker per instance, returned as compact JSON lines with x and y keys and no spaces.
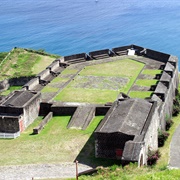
{"x":130,"y":126}
{"x":17,"y":112}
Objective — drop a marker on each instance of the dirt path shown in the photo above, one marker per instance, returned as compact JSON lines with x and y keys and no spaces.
{"x":41,"y":171}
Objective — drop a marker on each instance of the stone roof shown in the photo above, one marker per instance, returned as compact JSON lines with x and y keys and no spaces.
{"x":128,"y":117}
{"x":169,"y":67}
{"x":19,"y":98}
{"x":165,"y":77}
{"x":161,"y":88}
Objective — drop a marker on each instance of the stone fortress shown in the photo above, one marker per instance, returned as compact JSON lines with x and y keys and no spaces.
{"x":130,"y":125}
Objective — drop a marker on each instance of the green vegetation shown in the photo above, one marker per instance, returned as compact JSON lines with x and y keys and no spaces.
{"x":54,"y":144}
{"x":3,"y":55}
{"x":140,"y":94}
{"x":88,"y":95}
{"x":49,"y":89}
{"x":21,"y":63}
{"x":151,"y":71}
{"x":119,"y":75}
{"x":11,"y":88}
{"x":146,"y":82}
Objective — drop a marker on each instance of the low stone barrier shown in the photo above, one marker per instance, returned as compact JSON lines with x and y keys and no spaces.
{"x":157,"y":55}
{"x":120,"y":51}
{"x":100,"y":54}
{"x":82,"y":57}
{"x":38,"y":129}
{"x":31,"y":84}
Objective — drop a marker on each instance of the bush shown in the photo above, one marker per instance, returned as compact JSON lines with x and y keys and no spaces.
{"x":176,"y":105}
{"x":169,"y":123}
{"x":162,"y":136}
{"x":153,"y":156}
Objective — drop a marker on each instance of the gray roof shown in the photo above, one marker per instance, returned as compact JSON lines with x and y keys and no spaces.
{"x":169,"y":67}
{"x":161,"y":88}
{"x":19,"y":98}
{"x":165,"y":77}
{"x":128,"y":117}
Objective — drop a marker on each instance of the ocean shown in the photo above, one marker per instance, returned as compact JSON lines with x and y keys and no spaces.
{"x":66,"y":27}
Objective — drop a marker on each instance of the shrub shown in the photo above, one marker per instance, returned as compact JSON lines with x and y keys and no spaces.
{"x":153,"y":156}
{"x":169,"y":123}
{"x":162,"y":136}
{"x":176,"y":105}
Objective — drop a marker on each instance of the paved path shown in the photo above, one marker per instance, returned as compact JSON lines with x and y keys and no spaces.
{"x":27,"y":172}
{"x":174,"y":161}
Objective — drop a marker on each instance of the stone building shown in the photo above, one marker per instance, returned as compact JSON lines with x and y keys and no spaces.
{"x":17,"y":111}
{"x":127,"y":130}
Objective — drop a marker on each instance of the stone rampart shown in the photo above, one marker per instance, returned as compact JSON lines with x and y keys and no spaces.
{"x":31,"y":84}
{"x":47,"y":118}
{"x":100,"y":54}
{"x":157,"y":55}
{"x":9,"y":124}
{"x":43,"y":75}
{"x":63,"y":110}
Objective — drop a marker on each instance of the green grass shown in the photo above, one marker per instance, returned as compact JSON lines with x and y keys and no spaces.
{"x":121,"y":68}
{"x":151,"y":71}
{"x":21,"y":63}
{"x":88,"y":95}
{"x":69,"y":71}
{"x":54,"y":144}
{"x":59,"y":80}
{"x":11,"y":88}
{"x":49,"y":89}
{"x":127,"y":68}
{"x":3,"y":55}
{"x":140,"y":94}
{"x":146,"y":82}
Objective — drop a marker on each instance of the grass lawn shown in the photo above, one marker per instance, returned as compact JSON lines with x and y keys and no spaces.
{"x":23,"y":63}
{"x":140,"y":94}
{"x":119,"y":74}
{"x":146,"y":82}
{"x":11,"y":88}
{"x":152,"y":71}
{"x":54,"y":144}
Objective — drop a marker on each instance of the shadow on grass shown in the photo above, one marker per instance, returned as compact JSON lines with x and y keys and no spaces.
{"x":87,"y":156}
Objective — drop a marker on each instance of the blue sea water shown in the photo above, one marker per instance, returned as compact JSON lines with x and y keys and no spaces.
{"x":73,"y":26}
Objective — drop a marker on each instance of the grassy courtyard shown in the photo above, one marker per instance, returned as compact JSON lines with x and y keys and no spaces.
{"x":100,"y":83}
{"x":54,"y":144}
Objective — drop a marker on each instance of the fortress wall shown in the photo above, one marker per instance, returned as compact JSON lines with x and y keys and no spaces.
{"x":151,"y":135}
{"x":45,"y":108}
{"x":31,"y":84}
{"x":43,"y":123}
{"x":75,"y":56}
{"x":11,"y":110}
{"x":122,"y":48}
{"x":44,"y":74}
{"x":99,"y":52}
{"x":54,"y":65}
{"x":165,"y":111}
{"x":157,"y":55}
{"x":9,"y":124}
{"x":100,"y":111}
{"x":20,"y":81}
{"x":31,"y":110}
{"x":63,"y":111}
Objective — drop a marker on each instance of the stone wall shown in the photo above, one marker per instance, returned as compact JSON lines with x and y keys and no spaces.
{"x":31,"y":110}
{"x":47,"y":118}
{"x":31,"y":84}
{"x":9,"y":124}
